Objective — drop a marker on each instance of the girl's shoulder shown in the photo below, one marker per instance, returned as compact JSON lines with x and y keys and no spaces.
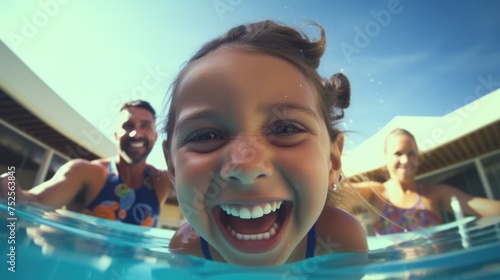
{"x":339,"y":231}
{"x":186,"y":241}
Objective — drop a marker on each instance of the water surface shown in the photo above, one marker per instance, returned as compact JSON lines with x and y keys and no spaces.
{"x":59,"y":244}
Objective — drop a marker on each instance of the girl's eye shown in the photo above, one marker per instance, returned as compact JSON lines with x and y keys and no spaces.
{"x":285,"y":128}
{"x":286,"y":133}
{"x":204,"y":141}
{"x":205,"y":135}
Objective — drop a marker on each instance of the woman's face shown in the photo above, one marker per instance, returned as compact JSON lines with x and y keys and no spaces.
{"x":251,"y":155}
{"x":401,"y":157}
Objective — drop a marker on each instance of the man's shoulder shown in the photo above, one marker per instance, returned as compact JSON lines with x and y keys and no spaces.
{"x":83,"y":167}
{"x":156,"y":173}
{"x":83,"y":163}
{"x":103,"y":162}
{"x":153,"y":168}
{"x":161,"y":181}
{"x":98,"y":164}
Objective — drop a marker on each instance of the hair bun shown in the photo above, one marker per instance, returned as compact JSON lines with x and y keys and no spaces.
{"x":340,"y":89}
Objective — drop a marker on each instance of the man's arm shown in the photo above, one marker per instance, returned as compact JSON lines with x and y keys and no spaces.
{"x":8,"y":186}
{"x":61,"y":189}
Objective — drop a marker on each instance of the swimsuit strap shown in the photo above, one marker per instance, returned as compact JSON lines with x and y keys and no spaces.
{"x":311,"y":242}
{"x":419,"y":191}
{"x":112,"y":166}
{"x":204,"y":249}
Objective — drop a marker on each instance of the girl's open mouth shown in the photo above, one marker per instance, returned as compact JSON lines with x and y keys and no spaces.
{"x":253,"y":228}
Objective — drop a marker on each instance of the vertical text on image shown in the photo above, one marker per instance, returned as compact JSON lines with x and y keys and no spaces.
{"x":11,"y":219}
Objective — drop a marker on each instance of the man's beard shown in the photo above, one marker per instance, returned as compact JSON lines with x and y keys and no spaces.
{"x":130,"y":153}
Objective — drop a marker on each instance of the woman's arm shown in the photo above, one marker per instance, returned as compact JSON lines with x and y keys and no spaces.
{"x":471,"y":205}
{"x":365,"y":189}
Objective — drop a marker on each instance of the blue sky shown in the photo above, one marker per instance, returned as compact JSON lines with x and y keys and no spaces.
{"x":403,"y":58}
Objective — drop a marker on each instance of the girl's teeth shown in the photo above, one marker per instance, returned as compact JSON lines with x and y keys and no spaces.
{"x":267,"y":209}
{"x":251,"y":212}
{"x":245,"y":213}
{"x":257,"y":212}
{"x":259,"y":236}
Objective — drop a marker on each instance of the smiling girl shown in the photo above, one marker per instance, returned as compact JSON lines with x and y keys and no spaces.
{"x":253,"y":152}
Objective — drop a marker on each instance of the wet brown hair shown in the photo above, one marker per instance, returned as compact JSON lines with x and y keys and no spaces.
{"x":286,"y":43}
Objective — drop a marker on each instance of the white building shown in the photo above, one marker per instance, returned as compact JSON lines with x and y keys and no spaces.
{"x":39,"y":132}
{"x":461,"y":149}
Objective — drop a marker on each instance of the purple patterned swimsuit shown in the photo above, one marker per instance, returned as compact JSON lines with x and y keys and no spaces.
{"x":417,"y":217}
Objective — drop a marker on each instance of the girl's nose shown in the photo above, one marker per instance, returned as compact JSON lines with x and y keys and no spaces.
{"x":246,"y":160}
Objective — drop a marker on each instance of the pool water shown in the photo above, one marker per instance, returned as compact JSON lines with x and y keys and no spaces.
{"x":66,"y":245}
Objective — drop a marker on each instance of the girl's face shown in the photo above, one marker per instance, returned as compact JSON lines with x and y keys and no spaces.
{"x":251,"y":155}
{"x":401,"y":157}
